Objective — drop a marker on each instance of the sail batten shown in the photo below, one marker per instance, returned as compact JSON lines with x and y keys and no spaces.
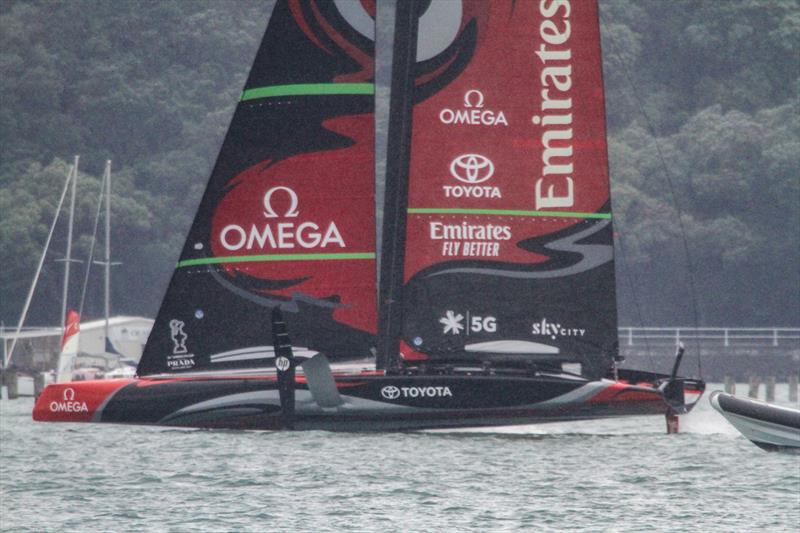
{"x":308,"y":89}
{"x":502,"y":212}
{"x":275,"y":257}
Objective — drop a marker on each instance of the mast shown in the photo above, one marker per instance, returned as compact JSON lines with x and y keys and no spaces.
{"x":68,"y":257}
{"x":396,"y":195}
{"x":106,"y":262}
{"x":107,"y":303}
{"x":10,"y":354}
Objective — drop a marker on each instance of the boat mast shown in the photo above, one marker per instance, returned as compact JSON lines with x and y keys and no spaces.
{"x":106,"y":262}
{"x":398,"y":154}
{"x":68,"y":257}
{"x":107,"y":298}
{"x":70,"y":175}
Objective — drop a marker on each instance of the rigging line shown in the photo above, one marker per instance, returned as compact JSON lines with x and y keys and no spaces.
{"x":91,"y":248}
{"x":70,"y":176}
{"x":636,"y":303}
{"x":668,"y":176}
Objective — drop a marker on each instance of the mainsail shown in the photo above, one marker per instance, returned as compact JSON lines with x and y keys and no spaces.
{"x":506,"y":224}
{"x":287,"y":218}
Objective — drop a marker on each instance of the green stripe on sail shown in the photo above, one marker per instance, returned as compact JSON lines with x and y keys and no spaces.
{"x":308,"y":89}
{"x":274,"y":257}
{"x":502,"y":212}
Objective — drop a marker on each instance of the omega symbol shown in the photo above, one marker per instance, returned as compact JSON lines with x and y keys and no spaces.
{"x":69,"y":394}
{"x":478,"y":98}
{"x":269,"y":212}
{"x":472,"y":168}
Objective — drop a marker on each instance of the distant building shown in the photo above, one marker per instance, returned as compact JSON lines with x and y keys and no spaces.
{"x":38,"y":348}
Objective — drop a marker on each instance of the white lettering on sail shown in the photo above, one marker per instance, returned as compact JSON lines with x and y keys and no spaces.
{"x":553,"y":330}
{"x":555,"y":189}
{"x":473,"y":113}
{"x":466,"y":191}
{"x":281,"y":235}
{"x":466,"y":231}
{"x":452,"y":322}
{"x":471,"y":170}
{"x":226,"y":239}
{"x":469,"y":240}
{"x":269,"y":212}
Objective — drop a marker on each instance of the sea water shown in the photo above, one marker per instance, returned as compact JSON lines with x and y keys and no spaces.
{"x":607,"y":475}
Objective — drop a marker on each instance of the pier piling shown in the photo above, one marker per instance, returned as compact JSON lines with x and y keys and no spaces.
{"x":38,"y":384}
{"x":12,"y":387}
{"x":730,"y":385}
{"x":755,"y":383}
{"x":770,"y":392}
{"x":793,"y":388}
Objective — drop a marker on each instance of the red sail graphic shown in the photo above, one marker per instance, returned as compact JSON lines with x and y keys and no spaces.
{"x":520,"y":130}
{"x":306,"y":223}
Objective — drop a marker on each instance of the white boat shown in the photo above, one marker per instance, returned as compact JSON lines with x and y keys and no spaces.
{"x":770,"y":427}
{"x":127,"y":370}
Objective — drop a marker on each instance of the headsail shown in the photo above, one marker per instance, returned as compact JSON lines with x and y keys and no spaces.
{"x":287,"y":218}
{"x":508,"y":243}
{"x":69,"y":347}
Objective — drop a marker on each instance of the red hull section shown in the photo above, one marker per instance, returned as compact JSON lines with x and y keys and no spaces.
{"x":76,"y":401}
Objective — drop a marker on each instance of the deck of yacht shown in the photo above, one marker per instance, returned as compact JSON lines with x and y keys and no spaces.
{"x":356,"y":367}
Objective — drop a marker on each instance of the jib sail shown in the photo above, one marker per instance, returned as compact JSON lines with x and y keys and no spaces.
{"x":505,"y":224}
{"x":287,"y":218}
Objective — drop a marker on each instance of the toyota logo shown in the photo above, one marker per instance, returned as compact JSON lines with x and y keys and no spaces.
{"x":472,"y":168}
{"x":390,"y":392}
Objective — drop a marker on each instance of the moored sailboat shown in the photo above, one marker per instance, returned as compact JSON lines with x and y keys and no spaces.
{"x":496,"y":299}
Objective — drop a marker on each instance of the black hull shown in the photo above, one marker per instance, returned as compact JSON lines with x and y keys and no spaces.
{"x":370,"y":402}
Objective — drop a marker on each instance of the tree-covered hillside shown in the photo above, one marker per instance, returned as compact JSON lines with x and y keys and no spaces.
{"x":702,"y":103}
{"x":150,"y":85}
